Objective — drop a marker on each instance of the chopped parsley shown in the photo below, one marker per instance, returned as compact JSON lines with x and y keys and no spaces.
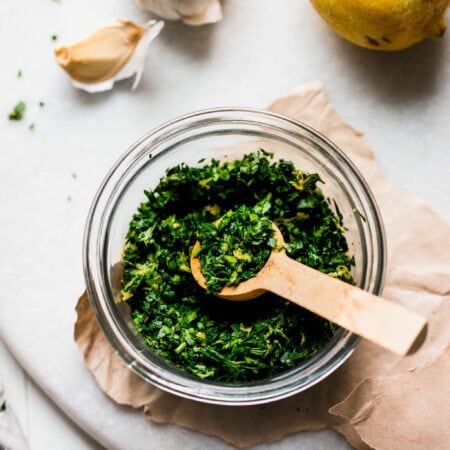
{"x":236,"y":247}
{"x":18,"y":112}
{"x":190,"y":328}
{"x":54,"y":37}
{"x":19,"y":74}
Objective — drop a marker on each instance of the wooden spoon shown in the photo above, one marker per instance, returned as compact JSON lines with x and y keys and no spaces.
{"x":381,"y":321}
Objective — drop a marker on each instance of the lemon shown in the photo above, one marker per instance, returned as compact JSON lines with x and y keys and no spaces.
{"x":384,"y":24}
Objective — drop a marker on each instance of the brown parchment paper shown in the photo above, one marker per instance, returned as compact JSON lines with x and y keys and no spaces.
{"x":376,"y":399}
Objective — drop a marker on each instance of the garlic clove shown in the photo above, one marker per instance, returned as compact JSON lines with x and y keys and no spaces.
{"x":211,"y":14}
{"x":111,"y":54}
{"x":166,"y":9}
{"x":101,"y":55}
{"x":191,"y":12}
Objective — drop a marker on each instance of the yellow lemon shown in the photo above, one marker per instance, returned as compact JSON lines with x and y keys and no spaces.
{"x":384,"y":24}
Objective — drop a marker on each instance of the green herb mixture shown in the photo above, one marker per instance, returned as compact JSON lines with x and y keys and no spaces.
{"x":199,"y":333}
{"x":236,"y":247}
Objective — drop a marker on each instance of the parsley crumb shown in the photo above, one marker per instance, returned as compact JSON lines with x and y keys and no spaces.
{"x":54,"y":37}
{"x":3,"y":406}
{"x":41,"y":104}
{"x":19,"y":74}
{"x":31,"y":126}
{"x":18,"y":112}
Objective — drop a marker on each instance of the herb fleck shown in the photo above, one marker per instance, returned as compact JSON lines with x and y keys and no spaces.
{"x":54,"y":37}
{"x":41,"y":104}
{"x":3,"y":406}
{"x":197,"y":332}
{"x":18,"y":112}
{"x":19,"y":74}
{"x":31,"y":127}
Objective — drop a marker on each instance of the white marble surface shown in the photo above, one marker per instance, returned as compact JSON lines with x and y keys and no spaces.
{"x":37,"y":414}
{"x":48,"y":176}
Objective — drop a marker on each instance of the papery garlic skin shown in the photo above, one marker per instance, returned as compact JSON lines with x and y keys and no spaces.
{"x":191,"y":12}
{"x":111,"y":54}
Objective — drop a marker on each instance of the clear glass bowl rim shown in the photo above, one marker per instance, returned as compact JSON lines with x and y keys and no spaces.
{"x":309,"y":374}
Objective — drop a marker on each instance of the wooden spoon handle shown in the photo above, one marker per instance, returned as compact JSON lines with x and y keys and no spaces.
{"x":374,"y":318}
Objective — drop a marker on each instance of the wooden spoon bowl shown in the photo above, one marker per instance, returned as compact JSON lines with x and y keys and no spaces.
{"x":245,"y":290}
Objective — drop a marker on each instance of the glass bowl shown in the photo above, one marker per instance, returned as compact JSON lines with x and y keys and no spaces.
{"x":224,"y":134}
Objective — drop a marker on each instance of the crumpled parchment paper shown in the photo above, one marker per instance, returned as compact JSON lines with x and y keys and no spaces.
{"x":376,"y":399}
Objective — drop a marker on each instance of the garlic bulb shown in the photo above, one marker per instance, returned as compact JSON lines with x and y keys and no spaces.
{"x":191,"y":12}
{"x":110,"y":54}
